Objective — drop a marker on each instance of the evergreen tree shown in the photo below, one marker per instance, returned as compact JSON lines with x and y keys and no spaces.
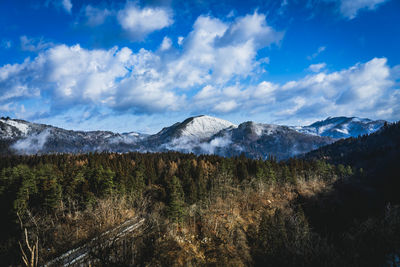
{"x":176,"y":200}
{"x":49,"y":188}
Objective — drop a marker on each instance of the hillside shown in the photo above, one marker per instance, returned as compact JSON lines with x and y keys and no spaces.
{"x":200,"y":135}
{"x":208,"y":210}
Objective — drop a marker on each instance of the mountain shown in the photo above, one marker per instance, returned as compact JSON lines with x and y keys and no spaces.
{"x":25,"y":137}
{"x":257,"y":140}
{"x":199,"y":135}
{"x":191,"y":130}
{"x":341,"y":127}
{"x":365,"y":151}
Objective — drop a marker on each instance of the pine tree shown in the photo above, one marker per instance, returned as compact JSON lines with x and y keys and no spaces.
{"x":176,"y":200}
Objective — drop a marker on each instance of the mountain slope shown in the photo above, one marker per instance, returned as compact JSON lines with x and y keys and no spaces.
{"x":24,"y":137}
{"x":192,"y":129}
{"x":364,"y":151}
{"x":257,"y":140}
{"x":341,"y":127}
{"x":199,"y":135}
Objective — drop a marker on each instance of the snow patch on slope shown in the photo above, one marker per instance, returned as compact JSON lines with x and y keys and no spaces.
{"x":205,"y":126}
{"x":341,"y":127}
{"x":22,"y":127}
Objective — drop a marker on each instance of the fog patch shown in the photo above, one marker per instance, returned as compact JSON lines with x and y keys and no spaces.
{"x":124,"y":139}
{"x":31,"y":144}
{"x":183,"y":144}
{"x":195,"y":145}
{"x":218,"y":142}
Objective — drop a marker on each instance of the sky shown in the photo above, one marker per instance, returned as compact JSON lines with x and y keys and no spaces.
{"x":144,"y":65}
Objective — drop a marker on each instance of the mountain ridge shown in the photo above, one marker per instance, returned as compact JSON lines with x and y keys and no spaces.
{"x":198,"y":134}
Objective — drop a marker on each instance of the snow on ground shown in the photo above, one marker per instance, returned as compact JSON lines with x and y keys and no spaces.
{"x":205,"y":127}
{"x":133,"y":134}
{"x":345,"y":127}
{"x":270,"y":128}
{"x":343,"y":131}
{"x":22,"y":127}
{"x":325,"y":128}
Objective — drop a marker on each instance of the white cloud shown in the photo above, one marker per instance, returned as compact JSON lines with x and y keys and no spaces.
{"x":353,"y":91}
{"x":350,"y":8}
{"x":250,"y":27}
{"x":139,"y":22}
{"x":180,"y":40}
{"x":211,"y":71}
{"x":67,"y":5}
{"x":361,"y":90}
{"x":264,"y":89}
{"x":144,"y":81}
{"x":317,"y":67}
{"x":166,"y":44}
{"x":72,"y":75}
{"x":216,"y":51}
{"x":225,"y":106}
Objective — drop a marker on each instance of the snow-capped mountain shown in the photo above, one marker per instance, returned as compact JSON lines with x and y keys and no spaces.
{"x":201,"y":127}
{"x":30,"y":138}
{"x":199,"y":135}
{"x":194,"y":128}
{"x":257,"y":140}
{"x":341,"y":127}
{"x":186,"y":136}
{"x":13,"y":128}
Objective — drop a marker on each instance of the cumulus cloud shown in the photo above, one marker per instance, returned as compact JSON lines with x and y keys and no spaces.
{"x":139,"y":22}
{"x":72,"y":75}
{"x":217,"y":51}
{"x":214,"y":53}
{"x":365,"y":89}
{"x":166,"y":44}
{"x":136,"y":22}
{"x":250,"y":27}
{"x":317,"y":67}
{"x":211,"y":70}
{"x":225,"y":106}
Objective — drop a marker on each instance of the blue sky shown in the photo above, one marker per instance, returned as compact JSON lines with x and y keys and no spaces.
{"x":142,"y":65}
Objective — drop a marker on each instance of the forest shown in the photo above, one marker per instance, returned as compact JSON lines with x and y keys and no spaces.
{"x":316,"y":210}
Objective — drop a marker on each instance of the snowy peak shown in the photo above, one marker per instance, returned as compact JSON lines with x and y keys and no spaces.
{"x":342,"y":127}
{"x":199,"y":135}
{"x":203,"y":126}
{"x":194,"y":128}
{"x":13,"y":128}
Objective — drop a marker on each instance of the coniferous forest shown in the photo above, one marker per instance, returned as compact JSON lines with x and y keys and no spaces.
{"x":337,"y":206}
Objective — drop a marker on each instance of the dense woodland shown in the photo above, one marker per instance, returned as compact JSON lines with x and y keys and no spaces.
{"x":208,"y":210}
